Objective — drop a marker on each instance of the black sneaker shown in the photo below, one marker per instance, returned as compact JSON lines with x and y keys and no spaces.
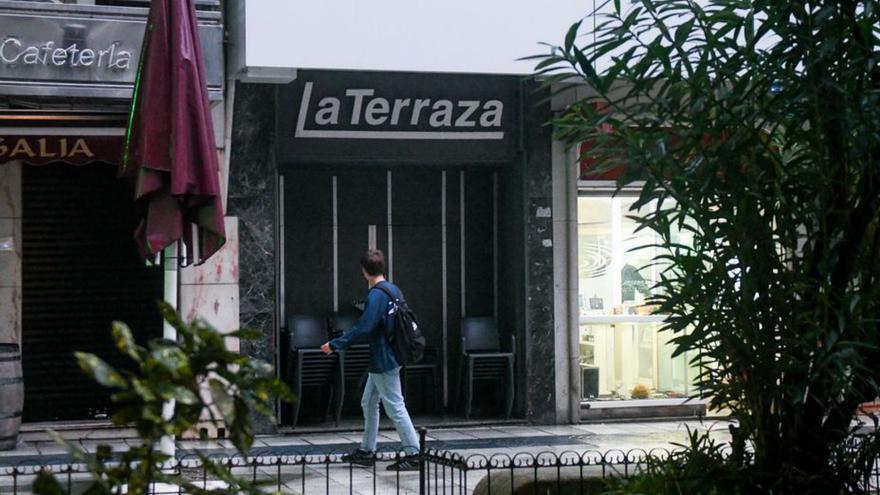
{"x":408,"y":463}
{"x":360,"y":457}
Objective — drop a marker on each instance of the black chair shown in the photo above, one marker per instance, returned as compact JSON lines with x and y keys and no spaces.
{"x":425,"y":372}
{"x":308,"y":366}
{"x":482,"y":359}
{"x":354,"y":362}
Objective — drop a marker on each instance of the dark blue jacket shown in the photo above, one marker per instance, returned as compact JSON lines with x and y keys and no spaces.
{"x":374,"y":326}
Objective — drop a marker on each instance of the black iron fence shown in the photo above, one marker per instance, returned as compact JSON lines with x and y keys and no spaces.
{"x":440,"y":472}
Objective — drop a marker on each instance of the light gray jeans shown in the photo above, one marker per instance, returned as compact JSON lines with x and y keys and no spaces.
{"x":386,"y":386}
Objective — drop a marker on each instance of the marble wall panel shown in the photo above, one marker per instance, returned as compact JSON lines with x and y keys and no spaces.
{"x":10,"y":252}
{"x":252,"y":198}
{"x":540,"y":327}
{"x":10,"y":190}
{"x":10,"y":314}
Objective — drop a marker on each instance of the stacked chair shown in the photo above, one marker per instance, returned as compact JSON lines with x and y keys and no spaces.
{"x":307,"y":366}
{"x":354,"y":361}
{"x":425,"y":374}
{"x":483,"y":359}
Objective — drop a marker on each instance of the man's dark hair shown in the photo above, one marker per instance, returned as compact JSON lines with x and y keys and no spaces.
{"x":373,"y":262}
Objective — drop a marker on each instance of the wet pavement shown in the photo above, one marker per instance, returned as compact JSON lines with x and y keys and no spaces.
{"x":481,"y":441}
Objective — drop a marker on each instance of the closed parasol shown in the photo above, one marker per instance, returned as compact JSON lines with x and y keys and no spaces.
{"x":170,"y":145}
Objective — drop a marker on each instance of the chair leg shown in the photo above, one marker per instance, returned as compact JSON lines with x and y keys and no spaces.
{"x":468,"y":389}
{"x":297,"y":393}
{"x":510,"y":388}
{"x":339,"y":398}
{"x":459,"y":396}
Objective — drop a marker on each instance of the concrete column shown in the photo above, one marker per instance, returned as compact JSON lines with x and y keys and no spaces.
{"x":10,"y":252}
{"x":210,"y":291}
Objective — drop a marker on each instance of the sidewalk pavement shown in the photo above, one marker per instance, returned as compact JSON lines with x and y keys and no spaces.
{"x":485,"y":440}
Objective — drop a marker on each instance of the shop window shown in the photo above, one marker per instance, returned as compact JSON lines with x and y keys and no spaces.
{"x":623,"y":353}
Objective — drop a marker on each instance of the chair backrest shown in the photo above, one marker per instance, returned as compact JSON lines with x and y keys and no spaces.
{"x":306,"y":331}
{"x":339,"y":323}
{"x":480,"y":334}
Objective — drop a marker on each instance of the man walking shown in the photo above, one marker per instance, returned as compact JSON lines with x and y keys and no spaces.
{"x":383,"y":382}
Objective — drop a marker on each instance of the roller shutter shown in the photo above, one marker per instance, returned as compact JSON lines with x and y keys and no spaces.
{"x":80,"y":271}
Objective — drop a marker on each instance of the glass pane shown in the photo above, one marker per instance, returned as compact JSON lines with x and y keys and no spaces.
{"x":631,"y":361}
{"x":623,"y":355}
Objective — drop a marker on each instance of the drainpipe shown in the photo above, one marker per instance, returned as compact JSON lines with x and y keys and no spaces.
{"x":574,"y":375}
{"x":171,"y":267}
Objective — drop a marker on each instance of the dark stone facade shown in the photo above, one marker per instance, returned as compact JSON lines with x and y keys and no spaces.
{"x":525,"y":250}
{"x":539,"y":324}
{"x":252,"y":194}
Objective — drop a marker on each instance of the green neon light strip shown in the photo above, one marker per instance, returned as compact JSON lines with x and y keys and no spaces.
{"x":136,"y":93}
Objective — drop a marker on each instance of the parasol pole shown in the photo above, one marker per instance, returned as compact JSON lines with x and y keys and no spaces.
{"x":171,"y":267}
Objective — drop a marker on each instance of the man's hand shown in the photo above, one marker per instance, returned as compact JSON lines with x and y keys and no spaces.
{"x":326,"y":348}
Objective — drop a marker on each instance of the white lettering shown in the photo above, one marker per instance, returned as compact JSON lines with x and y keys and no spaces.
{"x":328,"y":112}
{"x":492,"y":118}
{"x":86,"y":57}
{"x":377,"y":111}
{"x":31,"y":55}
{"x":46,"y":50}
{"x":399,"y":104}
{"x":417,"y":110}
{"x":73,"y":51}
{"x":101,"y":55}
{"x":358,"y":103}
{"x":48,"y":53}
{"x":9,"y":59}
{"x":463,"y":120}
{"x":379,"y":117}
{"x":123,"y":61}
{"x":442,"y":114}
{"x":59,"y":56}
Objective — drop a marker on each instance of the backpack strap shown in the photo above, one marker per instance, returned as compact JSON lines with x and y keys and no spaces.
{"x":388,"y":292}
{"x":393,"y":301}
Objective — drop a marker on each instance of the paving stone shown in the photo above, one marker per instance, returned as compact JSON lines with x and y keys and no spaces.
{"x":447,"y":435}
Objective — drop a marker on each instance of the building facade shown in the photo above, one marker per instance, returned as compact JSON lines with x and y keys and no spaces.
{"x":68,"y":263}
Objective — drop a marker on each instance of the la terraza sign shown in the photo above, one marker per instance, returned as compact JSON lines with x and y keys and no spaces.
{"x":326,"y":117}
{"x":363,"y":113}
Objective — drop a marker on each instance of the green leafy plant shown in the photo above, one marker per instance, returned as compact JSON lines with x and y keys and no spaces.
{"x":198,"y":373}
{"x":755,"y":126}
{"x":700,"y":467}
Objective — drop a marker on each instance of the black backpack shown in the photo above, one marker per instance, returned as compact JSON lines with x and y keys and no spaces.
{"x":407,"y":340}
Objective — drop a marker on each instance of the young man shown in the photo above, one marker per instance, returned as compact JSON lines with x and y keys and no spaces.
{"x":375,"y":325}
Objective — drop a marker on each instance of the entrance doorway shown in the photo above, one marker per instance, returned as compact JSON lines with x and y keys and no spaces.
{"x":80,"y":271}
{"x":438,"y":229}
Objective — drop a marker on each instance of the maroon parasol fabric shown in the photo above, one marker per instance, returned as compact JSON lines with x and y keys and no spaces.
{"x":170,"y":145}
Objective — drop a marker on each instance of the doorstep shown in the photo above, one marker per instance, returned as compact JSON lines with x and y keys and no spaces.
{"x":74,"y":430}
{"x":642,"y":409}
{"x":431,"y":422}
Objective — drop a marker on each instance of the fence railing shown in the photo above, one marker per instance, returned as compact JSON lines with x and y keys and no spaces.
{"x":441,"y":472}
